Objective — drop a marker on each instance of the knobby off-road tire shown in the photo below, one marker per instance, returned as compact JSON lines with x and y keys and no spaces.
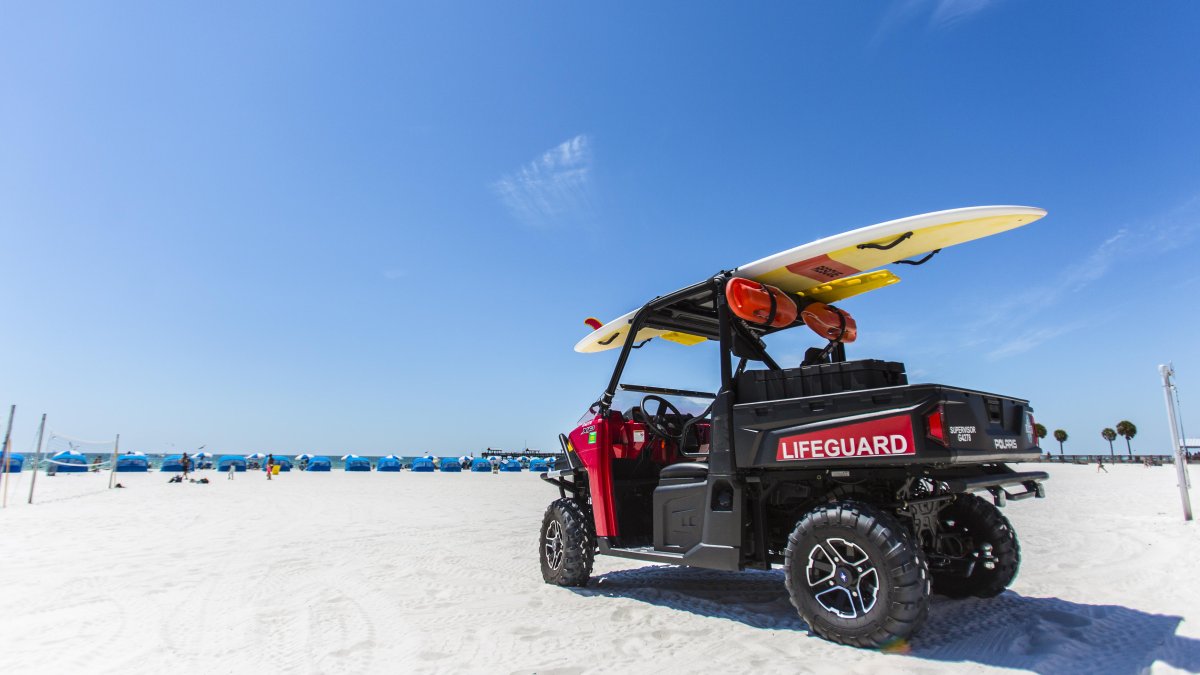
{"x":980,"y":522}
{"x":566,"y":546}
{"x":855,"y":575}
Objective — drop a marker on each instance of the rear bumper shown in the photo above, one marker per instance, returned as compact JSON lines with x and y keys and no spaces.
{"x":999,"y":485}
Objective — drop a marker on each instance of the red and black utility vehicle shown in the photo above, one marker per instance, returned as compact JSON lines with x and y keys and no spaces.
{"x":870,"y":492}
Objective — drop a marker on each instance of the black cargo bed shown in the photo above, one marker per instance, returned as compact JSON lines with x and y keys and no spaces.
{"x":978,"y":427}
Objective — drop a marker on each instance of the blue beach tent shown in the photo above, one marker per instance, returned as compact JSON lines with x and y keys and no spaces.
{"x":236,"y":461}
{"x":539,"y":465}
{"x":283,"y":463}
{"x":389,"y":464}
{"x":356,"y":463}
{"x":70,"y":461}
{"x":510,"y":465}
{"x":16,"y":462}
{"x":133,"y":464}
{"x":451,"y":465}
{"x":423,"y":465}
{"x":172,"y":463}
{"x":319,"y":463}
{"x":481,"y":465}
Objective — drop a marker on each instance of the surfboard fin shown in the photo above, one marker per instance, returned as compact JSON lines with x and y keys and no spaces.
{"x":593,"y":323}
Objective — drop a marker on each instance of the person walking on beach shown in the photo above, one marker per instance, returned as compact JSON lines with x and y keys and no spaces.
{"x":232,"y":470}
{"x":1100,"y":467}
{"x":185,"y":462}
{"x":270,"y":465}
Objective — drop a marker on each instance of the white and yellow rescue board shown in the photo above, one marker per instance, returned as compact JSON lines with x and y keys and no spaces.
{"x":845,"y":265}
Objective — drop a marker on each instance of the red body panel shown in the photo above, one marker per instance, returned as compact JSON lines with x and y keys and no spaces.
{"x":591,"y":443}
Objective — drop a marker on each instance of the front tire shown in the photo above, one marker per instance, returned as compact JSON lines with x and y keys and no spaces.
{"x":566,"y":546}
{"x":856,"y":576}
{"x":987,"y":535}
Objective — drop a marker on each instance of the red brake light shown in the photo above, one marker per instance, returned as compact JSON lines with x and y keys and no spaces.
{"x":934,"y":428}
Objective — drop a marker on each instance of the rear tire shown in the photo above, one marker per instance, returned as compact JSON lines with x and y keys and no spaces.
{"x":979,"y":522}
{"x":855,"y":575}
{"x":566,"y":546}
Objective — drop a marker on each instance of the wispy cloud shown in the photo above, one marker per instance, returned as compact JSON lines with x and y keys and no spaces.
{"x":949,"y":12}
{"x":554,"y":188}
{"x":1026,"y":341}
{"x":1133,"y":242}
{"x":935,"y":14}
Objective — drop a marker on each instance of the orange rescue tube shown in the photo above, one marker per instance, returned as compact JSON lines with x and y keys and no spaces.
{"x":830,"y":322}
{"x":752,"y":301}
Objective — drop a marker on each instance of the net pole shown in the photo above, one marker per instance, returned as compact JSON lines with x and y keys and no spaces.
{"x":1167,"y":371}
{"x":112,"y":470}
{"x":8,"y":453}
{"x":37,"y":462}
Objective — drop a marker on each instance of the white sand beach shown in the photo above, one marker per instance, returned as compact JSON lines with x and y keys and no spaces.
{"x":364,"y":573}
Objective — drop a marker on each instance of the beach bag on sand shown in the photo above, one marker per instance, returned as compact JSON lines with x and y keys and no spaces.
{"x":275,"y":470}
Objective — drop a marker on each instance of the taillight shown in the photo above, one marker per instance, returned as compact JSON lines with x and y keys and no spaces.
{"x":935,"y":427}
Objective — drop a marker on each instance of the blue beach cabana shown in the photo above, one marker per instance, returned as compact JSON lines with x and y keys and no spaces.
{"x":539,"y":465}
{"x":481,"y":465}
{"x":510,"y":465}
{"x":423,"y":465}
{"x":283,"y":463}
{"x":133,"y":463}
{"x":356,"y":463}
{"x":450,"y":464}
{"x":172,"y":463}
{"x":237,"y":462}
{"x":390,"y":464}
{"x":16,"y":462}
{"x":69,"y":461}
{"x":319,"y":463}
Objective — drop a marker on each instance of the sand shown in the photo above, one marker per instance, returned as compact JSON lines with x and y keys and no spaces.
{"x":358,"y":573}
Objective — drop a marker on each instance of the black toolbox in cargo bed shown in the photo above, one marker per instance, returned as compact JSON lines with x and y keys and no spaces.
{"x":825,"y":378}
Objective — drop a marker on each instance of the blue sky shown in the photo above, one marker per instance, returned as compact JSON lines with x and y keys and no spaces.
{"x":378,"y":228}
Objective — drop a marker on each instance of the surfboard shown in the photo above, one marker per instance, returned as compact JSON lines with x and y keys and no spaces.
{"x":844,"y":265}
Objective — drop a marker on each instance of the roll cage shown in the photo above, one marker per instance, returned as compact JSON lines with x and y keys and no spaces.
{"x":702,"y":310}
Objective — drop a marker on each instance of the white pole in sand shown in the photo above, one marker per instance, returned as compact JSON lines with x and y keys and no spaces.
{"x":7,"y":452}
{"x":1166,"y":371}
{"x":112,"y":470}
{"x":37,"y":461}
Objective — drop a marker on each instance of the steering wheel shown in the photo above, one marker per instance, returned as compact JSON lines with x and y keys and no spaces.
{"x":666,"y":428}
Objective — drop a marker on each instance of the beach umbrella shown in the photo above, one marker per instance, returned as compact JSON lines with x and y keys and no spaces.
{"x":255,"y":455}
{"x":199,"y":455}
{"x":345,"y":457}
{"x":303,"y":455}
{"x":389,"y":457}
{"x":135,"y":453}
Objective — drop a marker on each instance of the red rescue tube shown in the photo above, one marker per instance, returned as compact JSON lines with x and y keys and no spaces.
{"x":830,"y":322}
{"x":752,"y":301}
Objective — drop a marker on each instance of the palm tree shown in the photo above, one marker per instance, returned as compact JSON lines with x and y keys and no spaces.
{"x":1128,"y":430}
{"x":1110,"y":436}
{"x":1040,"y":430}
{"x":1061,"y":437}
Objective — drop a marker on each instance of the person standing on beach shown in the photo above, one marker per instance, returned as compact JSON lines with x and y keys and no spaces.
{"x":1100,"y":467}
{"x":270,"y":465}
{"x":185,"y":462}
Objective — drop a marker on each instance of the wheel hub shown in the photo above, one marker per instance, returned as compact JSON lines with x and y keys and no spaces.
{"x":842,"y":578}
{"x":554,"y":545}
